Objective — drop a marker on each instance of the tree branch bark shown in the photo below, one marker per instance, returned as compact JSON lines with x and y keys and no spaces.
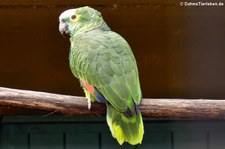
{"x":73,"y":105}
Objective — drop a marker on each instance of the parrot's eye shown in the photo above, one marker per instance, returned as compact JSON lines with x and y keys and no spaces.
{"x":73,"y":17}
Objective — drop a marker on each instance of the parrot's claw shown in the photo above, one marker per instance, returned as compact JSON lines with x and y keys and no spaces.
{"x":89,"y":104}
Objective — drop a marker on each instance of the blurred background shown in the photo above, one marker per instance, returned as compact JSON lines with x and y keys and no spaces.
{"x":180,"y":51}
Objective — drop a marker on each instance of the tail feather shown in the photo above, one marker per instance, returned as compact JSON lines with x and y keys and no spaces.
{"x":123,"y":128}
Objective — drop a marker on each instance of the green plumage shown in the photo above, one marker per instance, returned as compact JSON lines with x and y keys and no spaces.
{"x":104,"y":60}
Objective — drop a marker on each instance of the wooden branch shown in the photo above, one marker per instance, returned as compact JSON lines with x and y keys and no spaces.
{"x":72,"y":105}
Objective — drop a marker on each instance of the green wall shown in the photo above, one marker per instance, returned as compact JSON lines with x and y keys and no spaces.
{"x":65,"y":132}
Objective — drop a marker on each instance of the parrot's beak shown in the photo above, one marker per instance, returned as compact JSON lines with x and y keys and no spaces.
{"x":63,"y":28}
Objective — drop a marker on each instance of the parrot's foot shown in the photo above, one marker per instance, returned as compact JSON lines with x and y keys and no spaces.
{"x":89,"y":104}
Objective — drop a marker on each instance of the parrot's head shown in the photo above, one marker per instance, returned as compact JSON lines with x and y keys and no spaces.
{"x":75,"y":21}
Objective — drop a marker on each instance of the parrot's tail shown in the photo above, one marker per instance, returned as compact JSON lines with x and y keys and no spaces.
{"x":125,"y":128}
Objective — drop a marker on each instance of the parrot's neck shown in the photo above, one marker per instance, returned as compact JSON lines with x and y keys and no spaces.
{"x":104,"y":27}
{"x":89,"y":27}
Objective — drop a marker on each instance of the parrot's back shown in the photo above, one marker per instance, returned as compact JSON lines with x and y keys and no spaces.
{"x":106,"y":67}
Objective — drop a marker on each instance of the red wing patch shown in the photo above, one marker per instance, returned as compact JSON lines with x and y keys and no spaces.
{"x":90,"y":88}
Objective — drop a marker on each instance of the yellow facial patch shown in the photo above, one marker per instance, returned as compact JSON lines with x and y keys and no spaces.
{"x":75,"y":18}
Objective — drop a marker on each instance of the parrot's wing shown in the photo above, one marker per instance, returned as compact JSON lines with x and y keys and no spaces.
{"x":106,"y":62}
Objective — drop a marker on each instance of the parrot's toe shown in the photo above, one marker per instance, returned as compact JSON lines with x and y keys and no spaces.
{"x":89,"y":104}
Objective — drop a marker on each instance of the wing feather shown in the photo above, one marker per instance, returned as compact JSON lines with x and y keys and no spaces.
{"x":105,"y":60}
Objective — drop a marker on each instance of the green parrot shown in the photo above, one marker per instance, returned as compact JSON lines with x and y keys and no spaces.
{"x":103,"y":62}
